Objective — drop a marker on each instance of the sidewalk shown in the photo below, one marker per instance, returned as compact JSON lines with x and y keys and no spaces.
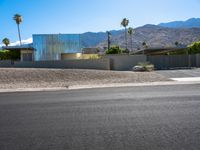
{"x":187,"y":79}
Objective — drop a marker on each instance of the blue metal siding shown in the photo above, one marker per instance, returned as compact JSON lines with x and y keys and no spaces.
{"x":50,"y":46}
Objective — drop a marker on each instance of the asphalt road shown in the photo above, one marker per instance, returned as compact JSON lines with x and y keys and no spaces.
{"x":133,"y":118}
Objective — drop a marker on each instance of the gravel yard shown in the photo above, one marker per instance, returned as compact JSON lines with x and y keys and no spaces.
{"x":40,"y":78}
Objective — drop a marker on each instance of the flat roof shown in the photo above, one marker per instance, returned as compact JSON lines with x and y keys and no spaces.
{"x":18,"y":47}
{"x":56,"y":34}
{"x":155,"y":51}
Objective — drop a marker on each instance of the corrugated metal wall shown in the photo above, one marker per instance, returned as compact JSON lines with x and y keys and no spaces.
{"x":50,"y":46}
{"x":173,"y":61}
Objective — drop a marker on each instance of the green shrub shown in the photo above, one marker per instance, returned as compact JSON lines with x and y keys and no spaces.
{"x":114,"y":50}
{"x":4,"y":55}
{"x":194,"y":48}
{"x":125,"y":51}
{"x":9,"y":55}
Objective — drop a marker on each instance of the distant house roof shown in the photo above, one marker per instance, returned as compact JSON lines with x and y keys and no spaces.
{"x":159,"y":51}
{"x":90,"y":50}
{"x":18,"y":47}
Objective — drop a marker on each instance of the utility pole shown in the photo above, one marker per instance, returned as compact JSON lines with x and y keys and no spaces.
{"x":109,"y":39}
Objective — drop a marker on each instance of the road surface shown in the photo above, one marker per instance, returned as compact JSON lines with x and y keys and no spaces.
{"x":133,"y":118}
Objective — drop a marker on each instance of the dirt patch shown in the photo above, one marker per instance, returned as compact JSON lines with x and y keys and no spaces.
{"x":36,"y":78}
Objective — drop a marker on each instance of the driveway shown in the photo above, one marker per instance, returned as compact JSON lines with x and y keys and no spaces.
{"x":128,"y":118}
{"x":180,"y":73}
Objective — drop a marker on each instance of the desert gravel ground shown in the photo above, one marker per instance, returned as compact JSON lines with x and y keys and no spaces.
{"x":41,"y":78}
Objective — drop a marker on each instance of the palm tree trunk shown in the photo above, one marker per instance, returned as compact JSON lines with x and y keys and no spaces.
{"x":19,"y":35}
{"x":126,"y":38}
{"x":109,"y":42}
{"x":131,"y":42}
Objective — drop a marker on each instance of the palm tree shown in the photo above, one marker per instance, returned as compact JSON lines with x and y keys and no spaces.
{"x":144,"y":44}
{"x":130,"y":32}
{"x":176,"y":43}
{"x":6,"y":41}
{"x":125,"y":23}
{"x":18,"y":19}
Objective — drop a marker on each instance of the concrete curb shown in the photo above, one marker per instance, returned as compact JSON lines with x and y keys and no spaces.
{"x":32,"y":89}
{"x":192,"y":79}
{"x":132,"y":85}
{"x":75,"y":87}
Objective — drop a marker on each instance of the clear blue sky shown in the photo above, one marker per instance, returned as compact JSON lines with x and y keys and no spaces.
{"x":78,"y":16}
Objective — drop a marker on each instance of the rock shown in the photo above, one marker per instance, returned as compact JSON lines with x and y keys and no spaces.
{"x":138,"y":68}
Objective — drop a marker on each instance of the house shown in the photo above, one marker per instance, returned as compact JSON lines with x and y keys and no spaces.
{"x":49,"y":47}
{"x":26,"y":51}
{"x":52,"y":46}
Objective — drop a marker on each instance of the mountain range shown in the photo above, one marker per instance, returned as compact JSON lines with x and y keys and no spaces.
{"x":190,"y":23}
{"x":156,"y":36}
{"x":161,"y":35}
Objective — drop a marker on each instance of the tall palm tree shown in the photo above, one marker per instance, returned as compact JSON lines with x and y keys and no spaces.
{"x":130,"y":32}
{"x":176,"y":43}
{"x":18,"y":19}
{"x":145,"y":46}
{"x":6,"y":41}
{"x":125,"y":23}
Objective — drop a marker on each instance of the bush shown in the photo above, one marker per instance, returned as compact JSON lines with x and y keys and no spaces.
{"x":114,"y":50}
{"x":4,"y":55}
{"x":144,"y":66}
{"x":125,"y":51}
{"x":9,"y":55}
{"x":194,"y":48}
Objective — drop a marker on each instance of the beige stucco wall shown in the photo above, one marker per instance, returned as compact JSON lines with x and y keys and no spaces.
{"x":22,"y":52}
{"x":69,"y":56}
{"x":124,"y":62}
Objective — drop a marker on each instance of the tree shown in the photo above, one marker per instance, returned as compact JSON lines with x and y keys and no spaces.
{"x":144,"y":44}
{"x":18,"y":19}
{"x":125,"y":23}
{"x":176,"y":43}
{"x":6,"y":41}
{"x":130,"y":32}
{"x":9,"y":55}
{"x":114,"y":50}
